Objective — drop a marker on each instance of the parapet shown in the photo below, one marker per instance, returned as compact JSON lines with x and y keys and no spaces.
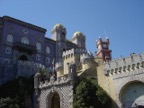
{"x":60,"y":81}
{"x":85,"y":56}
{"x":70,"y":53}
{"x":134,"y":61}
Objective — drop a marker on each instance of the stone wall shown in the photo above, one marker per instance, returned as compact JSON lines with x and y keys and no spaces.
{"x":12,"y":70}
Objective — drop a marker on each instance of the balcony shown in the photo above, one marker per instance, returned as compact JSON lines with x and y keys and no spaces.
{"x":24,"y":47}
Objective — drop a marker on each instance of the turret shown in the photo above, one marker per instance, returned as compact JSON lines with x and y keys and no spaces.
{"x":103,"y":49}
{"x":71,"y":56}
{"x":58,"y":32}
{"x":79,"y":39}
{"x":59,"y":35}
{"x":59,"y":69}
{"x":86,"y":60}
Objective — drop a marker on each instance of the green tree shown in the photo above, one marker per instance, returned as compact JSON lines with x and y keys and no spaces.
{"x":90,"y":95}
{"x":103,"y":99}
{"x":84,"y":95}
{"x":8,"y":103}
{"x":17,"y":91}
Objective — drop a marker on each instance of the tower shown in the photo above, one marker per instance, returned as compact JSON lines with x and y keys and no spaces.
{"x":59,"y":35}
{"x":79,"y":39}
{"x":103,"y":49}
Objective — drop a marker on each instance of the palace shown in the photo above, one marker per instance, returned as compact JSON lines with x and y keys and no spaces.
{"x":24,"y":49}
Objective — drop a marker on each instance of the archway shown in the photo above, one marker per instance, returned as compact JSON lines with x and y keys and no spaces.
{"x":23,"y":58}
{"x":132,"y":95}
{"x":55,"y":101}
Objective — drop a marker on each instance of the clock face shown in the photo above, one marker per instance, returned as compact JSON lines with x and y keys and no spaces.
{"x":105,"y":45}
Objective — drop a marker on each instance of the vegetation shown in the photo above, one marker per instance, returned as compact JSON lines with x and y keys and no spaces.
{"x":8,"y":103}
{"x":90,"y":95}
{"x":45,"y":74}
{"x":15,"y":93}
{"x":42,"y":72}
{"x":87,"y":94}
{"x":18,"y":93}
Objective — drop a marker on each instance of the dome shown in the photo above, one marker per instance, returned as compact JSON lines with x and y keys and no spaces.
{"x":77,"y":34}
{"x":58,"y":26}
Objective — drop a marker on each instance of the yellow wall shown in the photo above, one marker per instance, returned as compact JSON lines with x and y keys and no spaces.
{"x":60,"y":72}
{"x":105,"y":81}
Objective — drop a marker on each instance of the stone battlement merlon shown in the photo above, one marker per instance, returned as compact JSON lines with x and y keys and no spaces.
{"x":60,"y":81}
{"x":134,"y":61}
{"x":72,"y":52}
{"x":85,"y":56}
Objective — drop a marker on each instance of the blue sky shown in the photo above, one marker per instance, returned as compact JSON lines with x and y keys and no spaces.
{"x":120,"y":20}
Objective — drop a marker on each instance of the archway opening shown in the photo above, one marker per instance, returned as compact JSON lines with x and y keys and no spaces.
{"x":132,"y":95}
{"x":55,"y":101}
{"x":23,"y":58}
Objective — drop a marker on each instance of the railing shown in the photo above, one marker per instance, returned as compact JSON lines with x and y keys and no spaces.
{"x":25,"y":47}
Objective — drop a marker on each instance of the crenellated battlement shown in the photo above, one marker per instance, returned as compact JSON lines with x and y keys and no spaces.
{"x":71,"y":52}
{"x":133,"y":62}
{"x":86,"y":55}
{"x":62,"y":80}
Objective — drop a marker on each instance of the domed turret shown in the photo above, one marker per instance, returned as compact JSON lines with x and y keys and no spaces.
{"x":76,"y":34}
{"x":58,"y":32}
{"x":79,"y":39}
{"x":58,"y":26}
{"x":59,"y":35}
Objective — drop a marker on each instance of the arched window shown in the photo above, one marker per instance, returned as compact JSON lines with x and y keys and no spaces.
{"x":10,"y":38}
{"x":38,"y":45}
{"x":25,"y":40}
{"x":48,"y":50}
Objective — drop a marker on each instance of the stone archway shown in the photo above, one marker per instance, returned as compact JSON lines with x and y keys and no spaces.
{"x":132,"y":95}
{"x":23,"y":58}
{"x":54,"y":100}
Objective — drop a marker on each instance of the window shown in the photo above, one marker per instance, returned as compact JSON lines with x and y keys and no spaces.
{"x":8,"y":50}
{"x":38,"y":45}
{"x":25,"y":31}
{"x":48,"y":50}
{"x":10,"y":38}
{"x":37,"y":57}
{"x":25,"y":40}
{"x":47,"y":60}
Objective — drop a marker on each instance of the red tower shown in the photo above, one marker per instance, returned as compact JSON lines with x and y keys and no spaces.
{"x":103,"y":49}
